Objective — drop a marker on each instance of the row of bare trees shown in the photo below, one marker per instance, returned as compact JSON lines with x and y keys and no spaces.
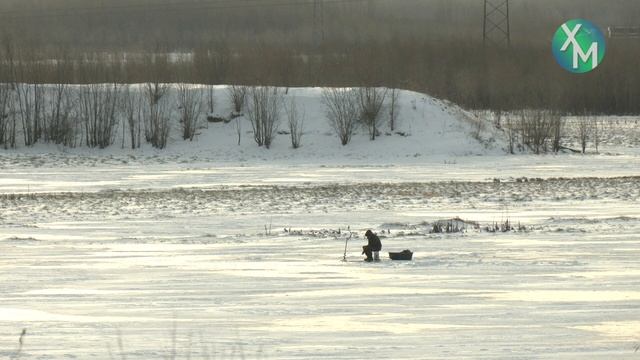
{"x":263,"y":106}
{"x":36,"y":113}
{"x":543,"y":131}
{"x":588,"y":128}
{"x":537,"y":130}
{"x":90,"y":114}
{"x":347,"y":108}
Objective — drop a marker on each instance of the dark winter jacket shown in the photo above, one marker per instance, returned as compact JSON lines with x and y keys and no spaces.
{"x":374,"y":241}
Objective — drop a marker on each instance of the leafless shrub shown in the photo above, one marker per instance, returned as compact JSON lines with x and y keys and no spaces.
{"x":535,"y":126}
{"x":30,"y":110}
{"x":557,"y":130}
{"x":237,"y":95}
{"x":155,"y":91}
{"x":238,"y":124}
{"x":497,"y":120}
{"x":211,"y":101}
{"x":504,"y":226}
{"x":132,"y":107}
{"x":342,"y":111}
{"x":583,"y":132}
{"x":596,"y":131}
{"x":6,"y":103}
{"x":97,"y":109}
{"x":263,"y":111}
{"x":478,"y":122}
{"x":296,"y":123}
{"x":60,"y":124}
{"x":535,"y":129}
{"x":512,"y":134}
{"x":190,"y":105}
{"x":156,"y":121}
{"x":157,"y":125}
{"x":371,"y":100}
{"x":393,"y":108}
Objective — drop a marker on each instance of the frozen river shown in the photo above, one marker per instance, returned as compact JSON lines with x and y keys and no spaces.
{"x":195,"y":261}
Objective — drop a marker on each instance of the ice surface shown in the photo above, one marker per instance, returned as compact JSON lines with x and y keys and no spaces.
{"x":81,"y":270}
{"x":236,"y":253}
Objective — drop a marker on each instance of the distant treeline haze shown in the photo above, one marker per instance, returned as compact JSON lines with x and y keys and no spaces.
{"x":432,"y":46}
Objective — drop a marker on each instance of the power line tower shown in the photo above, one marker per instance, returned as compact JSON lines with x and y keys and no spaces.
{"x":318,"y":22}
{"x":496,"y":27}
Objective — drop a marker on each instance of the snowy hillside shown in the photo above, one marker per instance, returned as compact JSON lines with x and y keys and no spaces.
{"x":425,"y":126}
{"x":429,"y":126}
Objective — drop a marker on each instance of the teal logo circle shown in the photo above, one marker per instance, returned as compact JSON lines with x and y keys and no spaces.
{"x":579,"y":46}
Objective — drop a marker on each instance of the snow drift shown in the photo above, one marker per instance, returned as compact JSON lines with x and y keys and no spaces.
{"x":424,"y":126}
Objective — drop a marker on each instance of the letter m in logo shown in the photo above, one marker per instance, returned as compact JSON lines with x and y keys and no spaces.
{"x":578,"y":53}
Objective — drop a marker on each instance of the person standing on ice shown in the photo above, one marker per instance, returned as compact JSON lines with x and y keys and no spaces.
{"x":373,"y":247}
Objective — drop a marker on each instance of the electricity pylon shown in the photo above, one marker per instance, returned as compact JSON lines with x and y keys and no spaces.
{"x":496,"y":27}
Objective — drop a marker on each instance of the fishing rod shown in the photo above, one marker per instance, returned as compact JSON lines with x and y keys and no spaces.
{"x":344,"y":258}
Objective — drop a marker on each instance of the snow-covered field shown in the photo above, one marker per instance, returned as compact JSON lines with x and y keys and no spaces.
{"x":209,"y":252}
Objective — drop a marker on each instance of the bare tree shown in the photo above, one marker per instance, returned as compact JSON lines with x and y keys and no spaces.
{"x":156,"y":65}
{"x":371,"y":100}
{"x":238,"y":124}
{"x":237,"y":95}
{"x":296,"y":123}
{"x":60,"y":124}
{"x":155,"y":116}
{"x":497,"y":121}
{"x":155,"y":91}
{"x":342,"y":111}
{"x":190,"y":105}
{"x":132,"y":107}
{"x":477,"y":127}
{"x":583,"y":132}
{"x":30,"y":111}
{"x":263,"y":111}
{"x":211,"y":101}
{"x":512,"y":133}
{"x":6,"y":103}
{"x":156,"y":121}
{"x":8,"y":116}
{"x":595,"y":129}
{"x":393,"y":108}
{"x":28,"y":77}
{"x":535,"y":129}
{"x":157,"y":124}
{"x":98,"y":109}
{"x":557,"y":129}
